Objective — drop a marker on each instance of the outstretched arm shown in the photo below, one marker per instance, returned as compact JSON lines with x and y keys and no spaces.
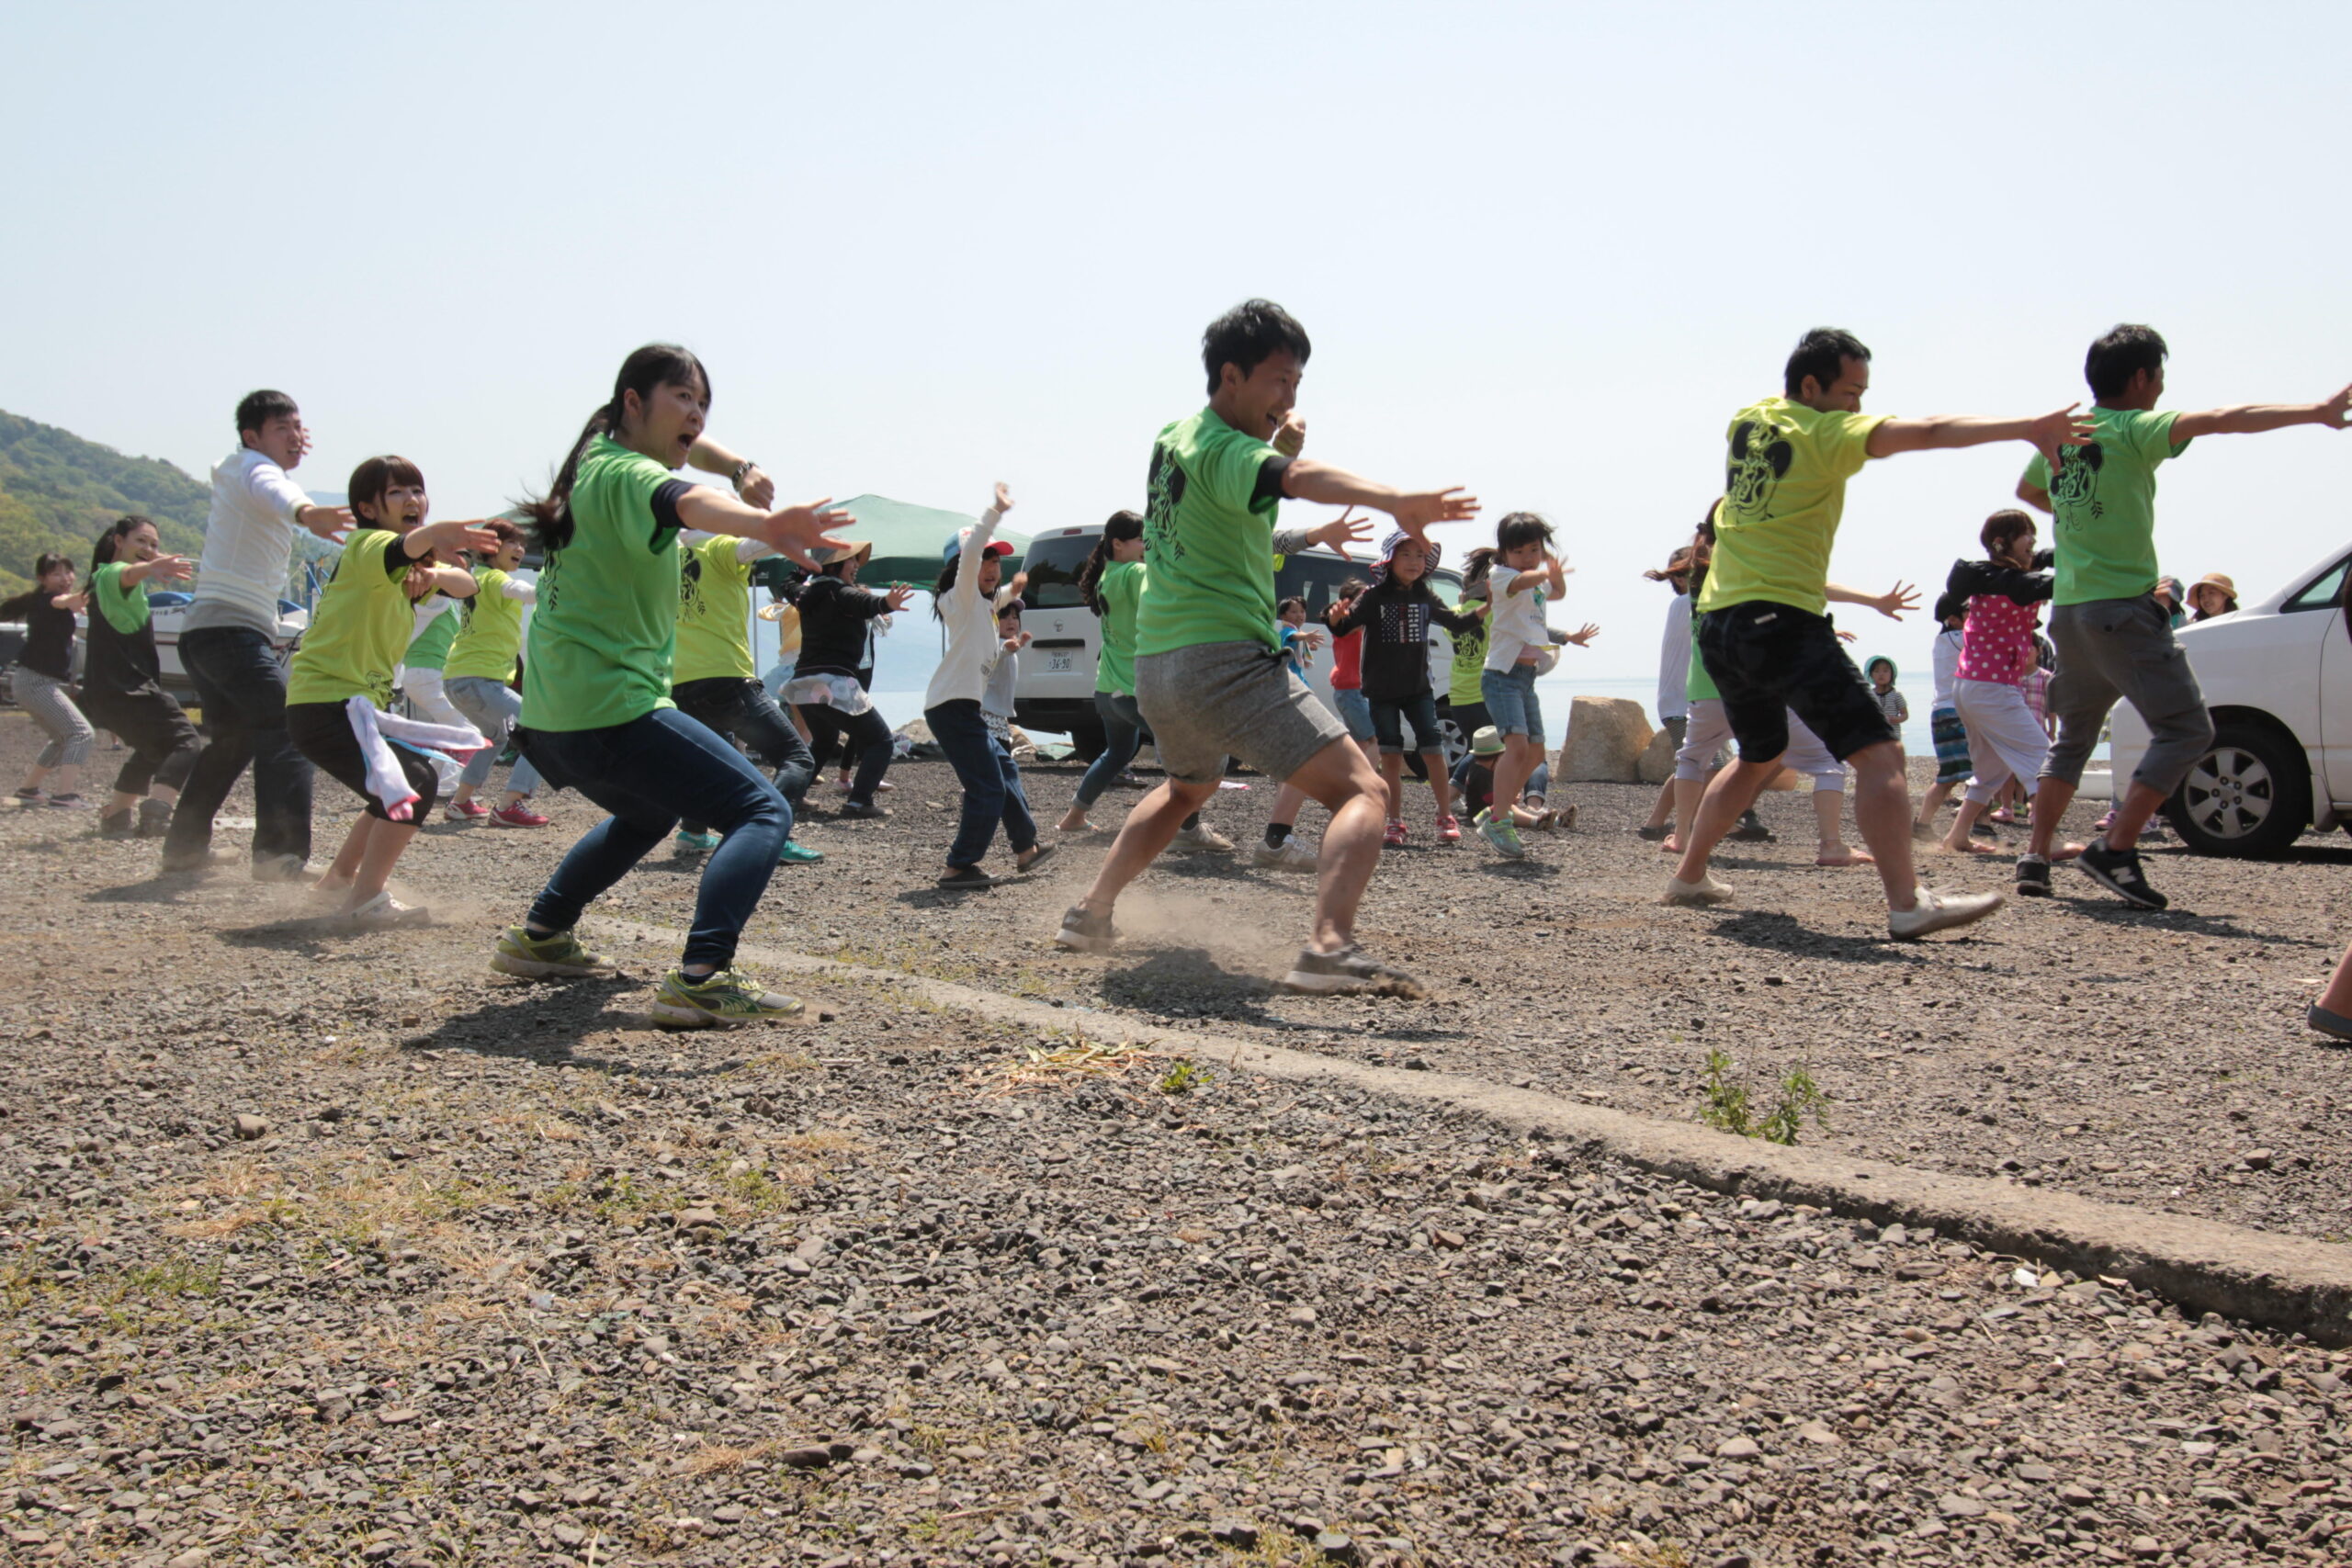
{"x":751,"y":482}
{"x":171,"y":569}
{"x":1941,"y":432}
{"x":1415,"y":510}
{"x":1891,"y":604}
{"x":2252,"y":419}
{"x":794,"y":531}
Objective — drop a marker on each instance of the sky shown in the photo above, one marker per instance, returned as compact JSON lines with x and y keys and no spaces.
{"x":1543,"y":250}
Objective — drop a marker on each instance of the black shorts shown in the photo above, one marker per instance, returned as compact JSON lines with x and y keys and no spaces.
{"x":322,"y":731}
{"x":1767,"y":659}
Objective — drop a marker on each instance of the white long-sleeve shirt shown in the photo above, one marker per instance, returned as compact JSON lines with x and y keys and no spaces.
{"x":1674,"y":660}
{"x":248,"y":540}
{"x":963,"y":672}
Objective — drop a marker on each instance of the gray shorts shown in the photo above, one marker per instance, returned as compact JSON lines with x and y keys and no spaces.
{"x":2122,"y":650}
{"x":1216,"y":700}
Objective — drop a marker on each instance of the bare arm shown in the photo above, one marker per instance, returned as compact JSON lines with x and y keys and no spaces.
{"x":1944,"y":432}
{"x":752,"y":484}
{"x":171,"y":569}
{"x":1891,"y":604}
{"x":2033,"y":495}
{"x":418,"y":544}
{"x":2252,"y":419}
{"x":1308,"y":480}
{"x":454,"y":581}
{"x":792,"y":531}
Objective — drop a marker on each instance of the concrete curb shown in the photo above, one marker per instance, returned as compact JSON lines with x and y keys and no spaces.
{"x":2284,"y":1282}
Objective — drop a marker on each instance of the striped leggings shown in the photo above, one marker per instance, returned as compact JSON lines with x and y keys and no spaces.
{"x":50,"y":701}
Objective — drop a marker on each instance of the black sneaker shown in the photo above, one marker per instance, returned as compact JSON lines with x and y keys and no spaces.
{"x":1750,"y":830}
{"x":116,"y":825}
{"x":1653,"y":834}
{"x":154,"y":818}
{"x":2033,"y":877}
{"x":1348,"y":971}
{"x":1984,"y":827}
{"x":1083,"y":930}
{"x":2118,"y":870}
{"x":864,"y":810}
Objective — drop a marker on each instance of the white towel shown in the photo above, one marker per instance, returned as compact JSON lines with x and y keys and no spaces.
{"x":387,"y":781}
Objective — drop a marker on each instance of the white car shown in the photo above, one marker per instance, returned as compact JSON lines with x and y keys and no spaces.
{"x":167,"y":609}
{"x":2277,"y":680}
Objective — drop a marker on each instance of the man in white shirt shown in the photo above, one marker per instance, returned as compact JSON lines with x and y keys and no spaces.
{"x":226,"y":644}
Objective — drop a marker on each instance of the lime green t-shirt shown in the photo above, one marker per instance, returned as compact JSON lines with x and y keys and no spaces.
{"x":1121,"y":589}
{"x":713,"y":613}
{"x":1209,"y":537}
{"x":360,"y":627}
{"x":126,"y":610}
{"x":1701,"y":686}
{"x":430,"y":647}
{"x":1785,"y":491}
{"x":490,"y":631}
{"x":2105,"y":504}
{"x":1464,"y":682}
{"x":605,"y":629}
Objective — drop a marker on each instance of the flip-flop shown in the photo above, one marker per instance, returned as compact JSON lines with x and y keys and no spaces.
{"x":2332,"y":1024}
{"x":1045,"y":853}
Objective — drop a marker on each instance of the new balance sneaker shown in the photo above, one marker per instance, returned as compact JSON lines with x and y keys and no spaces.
{"x":1200,"y":836}
{"x":1290,"y":855}
{"x":1938,"y":911}
{"x":154,"y":818}
{"x":695,"y":843}
{"x":1393,"y":836}
{"x":791,"y":853}
{"x":722,"y":998}
{"x":2033,"y":877}
{"x":1449,"y":830}
{"x":465,"y":811}
{"x":1709,"y":889}
{"x":1083,"y":930}
{"x":555,"y":955}
{"x":516,"y":815}
{"x":1349,"y":971}
{"x":384,"y":912}
{"x":1502,"y":837}
{"x":2119,"y":871}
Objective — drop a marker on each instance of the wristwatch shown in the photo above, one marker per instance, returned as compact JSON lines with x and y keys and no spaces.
{"x":736,"y":477}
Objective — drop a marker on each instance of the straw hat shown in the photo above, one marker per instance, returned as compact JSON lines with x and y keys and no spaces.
{"x":861,"y":550}
{"x":2215,"y":580}
{"x":1487,"y":742}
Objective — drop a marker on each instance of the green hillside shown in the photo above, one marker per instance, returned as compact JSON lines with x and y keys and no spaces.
{"x":59,"y":491}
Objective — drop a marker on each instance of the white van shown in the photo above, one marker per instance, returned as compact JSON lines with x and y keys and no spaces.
{"x":1057,"y":690}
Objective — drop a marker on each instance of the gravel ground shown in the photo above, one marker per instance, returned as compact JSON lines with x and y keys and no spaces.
{"x":491,"y":1274}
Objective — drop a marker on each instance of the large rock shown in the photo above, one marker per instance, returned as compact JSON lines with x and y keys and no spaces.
{"x":1606,"y":739}
{"x":1656,"y":763}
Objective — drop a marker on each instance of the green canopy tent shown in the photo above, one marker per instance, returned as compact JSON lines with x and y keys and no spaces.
{"x":908,"y":539}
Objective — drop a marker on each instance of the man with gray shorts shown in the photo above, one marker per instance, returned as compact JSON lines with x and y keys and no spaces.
{"x":1209,"y":675}
{"x":2114,"y":640}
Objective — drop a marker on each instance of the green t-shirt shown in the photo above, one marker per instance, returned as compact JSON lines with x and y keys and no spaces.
{"x":713,"y":613}
{"x":1209,"y":537}
{"x":360,"y":627}
{"x":2105,"y":502}
{"x":1121,"y":588}
{"x":1464,"y":682}
{"x":429,"y":649}
{"x":490,"y":631}
{"x":1785,"y":491}
{"x":1701,"y":686}
{"x":126,"y":610}
{"x":605,"y":629}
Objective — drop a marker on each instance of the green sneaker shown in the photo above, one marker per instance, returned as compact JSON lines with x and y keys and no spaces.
{"x":1502,"y":836}
{"x":797,"y":855}
{"x":724,"y":997}
{"x":543,"y":957}
{"x":696,"y":843}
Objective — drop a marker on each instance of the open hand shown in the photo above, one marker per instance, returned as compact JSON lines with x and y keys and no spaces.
{"x":1417,"y":512}
{"x":797,"y":530}
{"x":329,"y":523}
{"x":1894,"y":600}
{"x":1583,"y":638}
{"x":2058,"y":430}
{"x":1345,"y":529}
{"x":473,"y":535}
{"x":898,"y":596}
{"x":171,"y":569}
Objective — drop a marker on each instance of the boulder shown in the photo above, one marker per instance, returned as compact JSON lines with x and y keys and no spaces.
{"x":1656,"y":763}
{"x":1606,"y":739}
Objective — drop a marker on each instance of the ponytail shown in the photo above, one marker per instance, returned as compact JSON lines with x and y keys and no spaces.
{"x":1121,"y":525}
{"x":654,"y":365}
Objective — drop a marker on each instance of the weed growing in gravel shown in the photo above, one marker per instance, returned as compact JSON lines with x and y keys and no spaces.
{"x":1184,"y":1077}
{"x":1729,"y":1106}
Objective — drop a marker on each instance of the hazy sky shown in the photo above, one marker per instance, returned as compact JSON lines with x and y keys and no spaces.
{"x":1543,"y":250}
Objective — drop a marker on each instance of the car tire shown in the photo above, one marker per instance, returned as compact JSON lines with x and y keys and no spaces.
{"x":1087,"y":741}
{"x":2248,"y":797}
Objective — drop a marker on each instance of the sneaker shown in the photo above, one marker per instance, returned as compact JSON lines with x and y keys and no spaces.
{"x":884,"y":787}
{"x":1653,"y":834}
{"x":1449,"y":830}
{"x":1709,"y":889}
{"x":1290,"y":855}
{"x":865,"y":811}
{"x":1349,"y":971}
{"x":967,"y":879}
{"x":791,"y":853}
{"x":67,"y":802}
{"x":695,"y":843}
{"x":1501,"y":835}
{"x":154,"y":818}
{"x":1937,"y":911}
{"x":28,"y":795}
{"x":1200,"y":836}
{"x":723,"y":998}
{"x":280,"y":868}
{"x":1982,"y":829}
{"x":1394,"y":838}
{"x":2118,"y":870}
{"x":1083,"y":930}
{"x":384,"y":912}
{"x":117,"y":825}
{"x":191,"y":860}
{"x":2033,"y":877}
{"x":516,"y":815}
{"x":557,"y":954}
{"x":465,"y":811}
{"x":1751,"y":831}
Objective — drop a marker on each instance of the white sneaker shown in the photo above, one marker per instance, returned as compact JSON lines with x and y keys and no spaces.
{"x":1937,"y":911}
{"x":1292,"y":856}
{"x":1203,"y":837}
{"x":1708,"y":889}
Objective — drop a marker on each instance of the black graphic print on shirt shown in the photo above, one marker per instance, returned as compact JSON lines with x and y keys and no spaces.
{"x":690,"y":586}
{"x":1759,"y":461}
{"x":1163,"y":492}
{"x":2077,"y":484}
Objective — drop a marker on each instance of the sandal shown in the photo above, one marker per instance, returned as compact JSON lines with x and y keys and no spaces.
{"x":2332,"y":1024}
{"x":967,"y":879}
{"x":1037,"y":857}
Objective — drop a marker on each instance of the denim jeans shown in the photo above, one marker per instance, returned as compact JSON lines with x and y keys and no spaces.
{"x":743,"y":710}
{"x":492,"y":706}
{"x":1122,"y":738}
{"x":991,"y":782}
{"x":1511,"y":704}
{"x":647,"y":774}
{"x":242,"y":690}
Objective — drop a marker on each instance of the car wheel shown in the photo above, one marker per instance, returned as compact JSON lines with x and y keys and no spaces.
{"x":1087,"y":741}
{"x":2249,"y":796}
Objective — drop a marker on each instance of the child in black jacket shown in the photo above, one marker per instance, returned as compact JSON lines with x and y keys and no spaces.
{"x":1397,"y":612}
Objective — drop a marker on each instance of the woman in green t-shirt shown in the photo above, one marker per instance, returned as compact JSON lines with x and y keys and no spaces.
{"x":597,"y":714}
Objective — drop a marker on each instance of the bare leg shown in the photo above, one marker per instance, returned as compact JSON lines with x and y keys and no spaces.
{"x":1520,"y":758}
{"x":2338,"y":997}
{"x":2131,"y":814}
{"x":383,"y":850}
{"x":1440,"y":785}
{"x":1828,"y":806}
{"x":1392,"y":774}
{"x":345,"y":871}
{"x":2051,"y":798}
{"x":1287,"y":800}
{"x":1958,"y":841}
{"x":1933,"y":801}
{"x":1882,"y":812}
{"x":1341,"y":778}
{"x":1149,"y":829}
{"x":1733,"y":791}
{"x":1662,"y":812}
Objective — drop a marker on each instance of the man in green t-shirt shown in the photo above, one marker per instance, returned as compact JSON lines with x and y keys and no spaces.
{"x":1765,"y":637}
{"x":2114,"y":639}
{"x":1209,"y":679}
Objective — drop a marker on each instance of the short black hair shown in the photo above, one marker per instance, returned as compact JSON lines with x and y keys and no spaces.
{"x":1821,"y":353}
{"x":257,"y":408}
{"x":371,"y":479}
{"x":1244,"y":336}
{"x":1948,"y":604}
{"x":1519,"y":528}
{"x":2127,"y":348}
{"x":2004,"y":525}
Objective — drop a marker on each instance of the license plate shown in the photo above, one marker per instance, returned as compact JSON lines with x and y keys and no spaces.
{"x":1057,"y":664}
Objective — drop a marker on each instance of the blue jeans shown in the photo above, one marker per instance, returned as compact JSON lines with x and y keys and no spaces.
{"x":743,"y":710}
{"x":647,"y":774}
{"x":1511,"y":706}
{"x":1122,"y":738}
{"x":1389,"y":718}
{"x":493,"y":707}
{"x":991,"y":782}
{"x":241,"y":688}
{"x":1355,"y":711}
